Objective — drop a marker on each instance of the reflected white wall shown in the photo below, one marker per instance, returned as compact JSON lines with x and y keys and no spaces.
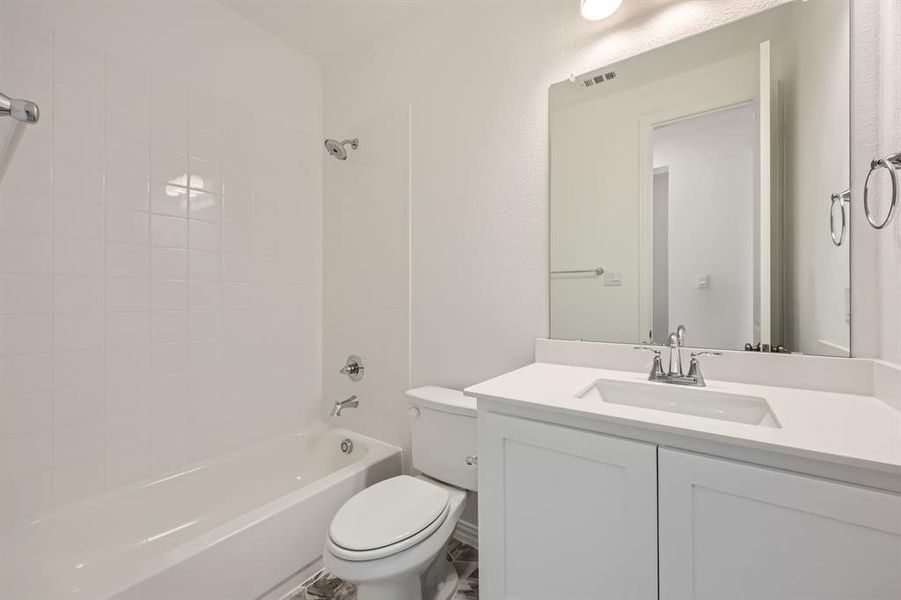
{"x":711,"y":161}
{"x":596,"y":200}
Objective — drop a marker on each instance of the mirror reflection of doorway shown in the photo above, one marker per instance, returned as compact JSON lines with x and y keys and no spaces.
{"x":705,"y":227}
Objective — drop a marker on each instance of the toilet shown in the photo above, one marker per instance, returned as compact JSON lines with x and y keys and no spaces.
{"x":390,"y":538}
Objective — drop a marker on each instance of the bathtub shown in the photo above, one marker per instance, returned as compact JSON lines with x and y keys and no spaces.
{"x":242,"y":526}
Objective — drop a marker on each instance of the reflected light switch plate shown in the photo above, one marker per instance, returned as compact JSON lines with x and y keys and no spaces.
{"x":703,"y":281}
{"x":612,"y":278}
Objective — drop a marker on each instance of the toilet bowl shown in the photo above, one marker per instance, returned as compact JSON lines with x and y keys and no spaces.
{"x":390,"y":538}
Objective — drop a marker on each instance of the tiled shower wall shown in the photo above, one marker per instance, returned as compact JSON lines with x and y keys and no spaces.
{"x":367,"y":269}
{"x":159,"y":270}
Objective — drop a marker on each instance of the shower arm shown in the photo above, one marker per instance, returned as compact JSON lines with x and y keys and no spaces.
{"x":24,"y":111}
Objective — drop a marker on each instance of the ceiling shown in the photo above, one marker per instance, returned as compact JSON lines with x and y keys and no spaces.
{"x":322,"y":27}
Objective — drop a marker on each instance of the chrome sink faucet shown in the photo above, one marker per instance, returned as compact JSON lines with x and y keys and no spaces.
{"x":674,"y":374}
{"x":676,"y":341}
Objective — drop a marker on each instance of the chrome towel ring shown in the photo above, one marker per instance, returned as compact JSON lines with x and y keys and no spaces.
{"x":841,"y":198}
{"x":891,"y":164}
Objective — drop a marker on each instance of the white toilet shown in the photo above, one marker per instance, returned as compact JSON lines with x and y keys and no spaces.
{"x":390,"y":538}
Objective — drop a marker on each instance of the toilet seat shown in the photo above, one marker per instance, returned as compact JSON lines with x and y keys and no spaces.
{"x":387,"y":518}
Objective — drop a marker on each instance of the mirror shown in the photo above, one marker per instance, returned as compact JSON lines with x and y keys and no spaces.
{"x":693,"y":185}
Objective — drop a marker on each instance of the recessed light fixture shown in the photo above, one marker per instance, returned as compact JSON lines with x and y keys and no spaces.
{"x":595,"y":10}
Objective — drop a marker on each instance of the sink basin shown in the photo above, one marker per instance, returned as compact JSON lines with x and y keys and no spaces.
{"x":699,"y":402}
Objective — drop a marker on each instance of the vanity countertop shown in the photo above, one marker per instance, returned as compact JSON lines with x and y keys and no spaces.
{"x":840,"y":428}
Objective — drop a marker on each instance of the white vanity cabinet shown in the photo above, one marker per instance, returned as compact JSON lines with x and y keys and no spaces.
{"x":743,"y":532}
{"x":565,"y":513}
{"x":572,"y":514}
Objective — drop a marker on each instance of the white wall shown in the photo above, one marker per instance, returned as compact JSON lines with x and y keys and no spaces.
{"x":367,"y":275}
{"x":147,"y":321}
{"x":712,"y":164}
{"x":595,"y":175}
{"x":817,"y":114}
{"x":474,"y":77}
{"x":876,"y":104}
{"x":890,"y":142}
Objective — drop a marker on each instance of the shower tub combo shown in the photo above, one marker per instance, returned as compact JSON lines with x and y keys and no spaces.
{"x":250,"y":524}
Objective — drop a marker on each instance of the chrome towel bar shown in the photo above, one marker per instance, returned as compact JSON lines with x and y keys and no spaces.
{"x":597,"y":272}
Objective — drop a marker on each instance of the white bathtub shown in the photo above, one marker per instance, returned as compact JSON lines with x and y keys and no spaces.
{"x":242,"y":526}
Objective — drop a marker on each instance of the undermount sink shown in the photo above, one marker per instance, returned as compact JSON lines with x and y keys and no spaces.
{"x":699,"y":402}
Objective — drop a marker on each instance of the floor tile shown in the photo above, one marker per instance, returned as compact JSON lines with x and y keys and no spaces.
{"x":464,"y":558}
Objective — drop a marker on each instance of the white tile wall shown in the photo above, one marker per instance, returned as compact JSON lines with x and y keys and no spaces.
{"x":367,"y":280}
{"x":159,"y":274}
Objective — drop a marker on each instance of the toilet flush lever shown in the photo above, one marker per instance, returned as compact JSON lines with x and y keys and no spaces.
{"x":473,"y":461}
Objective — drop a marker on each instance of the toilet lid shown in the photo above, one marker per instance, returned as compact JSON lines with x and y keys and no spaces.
{"x":388,"y":513}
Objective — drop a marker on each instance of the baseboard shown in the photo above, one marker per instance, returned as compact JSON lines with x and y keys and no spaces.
{"x":467,"y":533}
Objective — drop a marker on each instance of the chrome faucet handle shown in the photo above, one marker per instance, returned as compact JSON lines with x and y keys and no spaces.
{"x":694,"y":367}
{"x":657,"y":371}
{"x":648,"y":349}
{"x":353,"y":368}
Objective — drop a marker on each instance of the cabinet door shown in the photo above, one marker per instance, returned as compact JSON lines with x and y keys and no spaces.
{"x":736,"y":531}
{"x":565,"y":514}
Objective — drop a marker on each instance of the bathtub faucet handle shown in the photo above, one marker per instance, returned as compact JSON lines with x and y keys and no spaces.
{"x":353,"y":368}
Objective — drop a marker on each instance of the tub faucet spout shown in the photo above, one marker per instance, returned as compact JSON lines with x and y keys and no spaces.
{"x":340,"y":405}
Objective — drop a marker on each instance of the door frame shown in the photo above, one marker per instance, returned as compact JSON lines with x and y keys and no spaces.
{"x":647,"y":123}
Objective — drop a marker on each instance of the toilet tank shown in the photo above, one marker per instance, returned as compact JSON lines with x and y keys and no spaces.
{"x":443,"y":426}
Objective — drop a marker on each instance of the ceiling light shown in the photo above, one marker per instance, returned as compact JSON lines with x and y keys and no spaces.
{"x":595,"y":10}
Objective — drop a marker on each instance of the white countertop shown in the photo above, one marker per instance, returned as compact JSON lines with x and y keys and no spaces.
{"x":849,"y":429}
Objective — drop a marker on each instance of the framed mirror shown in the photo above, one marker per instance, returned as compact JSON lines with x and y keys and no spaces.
{"x":701,"y":184}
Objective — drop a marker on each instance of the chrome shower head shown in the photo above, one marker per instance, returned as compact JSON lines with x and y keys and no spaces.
{"x":25,"y":111}
{"x":338,"y":150}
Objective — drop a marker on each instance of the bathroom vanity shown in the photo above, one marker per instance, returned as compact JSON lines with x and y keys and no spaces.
{"x":689,"y":187}
{"x":781,"y":479}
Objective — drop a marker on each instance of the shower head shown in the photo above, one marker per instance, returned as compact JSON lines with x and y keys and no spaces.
{"x":338,"y":150}
{"x":25,"y":111}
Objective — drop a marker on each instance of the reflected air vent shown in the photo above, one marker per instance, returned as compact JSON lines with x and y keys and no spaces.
{"x":593,"y":81}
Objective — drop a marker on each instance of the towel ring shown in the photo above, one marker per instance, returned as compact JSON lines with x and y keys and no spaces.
{"x":890,"y":163}
{"x":841,"y":198}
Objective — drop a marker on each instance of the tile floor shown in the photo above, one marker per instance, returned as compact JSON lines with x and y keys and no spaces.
{"x":465,"y":559}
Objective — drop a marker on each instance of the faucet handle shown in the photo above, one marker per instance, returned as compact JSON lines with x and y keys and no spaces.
{"x":694,"y":367}
{"x":647,"y":349}
{"x":353,"y":368}
{"x":657,"y":371}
